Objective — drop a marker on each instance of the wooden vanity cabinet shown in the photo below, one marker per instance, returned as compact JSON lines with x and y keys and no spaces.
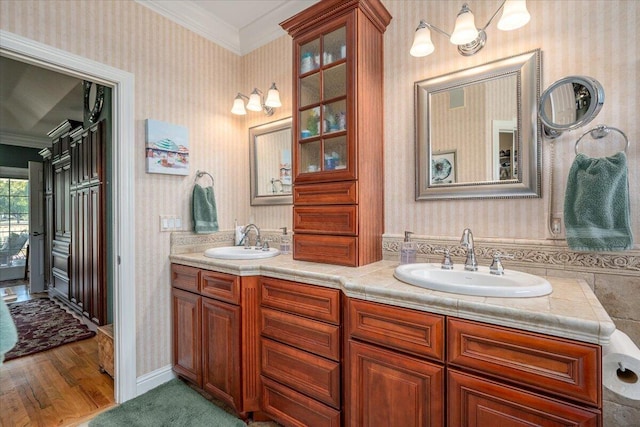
{"x":215,"y":334}
{"x":338,"y":131}
{"x":395,"y":373}
{"x":502,"y":374}
{"x":301,"y":353}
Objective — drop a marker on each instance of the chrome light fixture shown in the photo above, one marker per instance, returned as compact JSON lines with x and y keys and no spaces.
{"x":466,"y":35}
{"x":255,"y":101}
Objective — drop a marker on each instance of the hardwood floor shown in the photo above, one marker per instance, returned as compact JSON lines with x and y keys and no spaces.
{"x":58,"y":387}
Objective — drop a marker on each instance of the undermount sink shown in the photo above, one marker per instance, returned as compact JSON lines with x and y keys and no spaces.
{"x":513,"y":284}
{"x":239,"y":252}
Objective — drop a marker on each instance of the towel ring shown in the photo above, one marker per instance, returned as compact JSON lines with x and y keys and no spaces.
{"x":200,"y":174}
{"x":600,"y":132}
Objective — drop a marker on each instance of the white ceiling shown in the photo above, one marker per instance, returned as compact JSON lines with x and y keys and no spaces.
{"x":33,"y":100}
{"x":238,"y":25}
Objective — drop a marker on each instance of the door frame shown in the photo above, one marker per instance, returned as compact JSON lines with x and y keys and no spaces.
{"x":123,"y":198}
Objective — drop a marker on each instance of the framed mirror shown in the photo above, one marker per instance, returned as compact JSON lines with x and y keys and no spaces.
{"x":570,"y":103}
{"x":477,"y":131}
{"x":270,"y":156}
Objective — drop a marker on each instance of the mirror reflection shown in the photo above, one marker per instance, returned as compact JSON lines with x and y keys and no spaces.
{"x":270,"y":151}
{"x":465,"y":115}
{"x":476,"y":133}
{"x":570,"y":103}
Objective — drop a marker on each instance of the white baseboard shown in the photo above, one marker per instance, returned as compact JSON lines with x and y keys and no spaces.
{"x":153,"y":379}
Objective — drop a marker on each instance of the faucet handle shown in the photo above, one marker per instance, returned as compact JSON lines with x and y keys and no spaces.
{"x":496,"y":266}
{"x":446,"y":264}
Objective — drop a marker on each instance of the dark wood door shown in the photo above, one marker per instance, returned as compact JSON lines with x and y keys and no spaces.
{"x":391,"y":389}
{"x":187,"y":332}
{"x":75,"y":292}
{"x":62,"y":203}
{"x":95,"y":257}
{"x":221,"y":351}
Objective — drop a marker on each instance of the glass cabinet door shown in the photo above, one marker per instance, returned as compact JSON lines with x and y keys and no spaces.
{"x":322,"y":104}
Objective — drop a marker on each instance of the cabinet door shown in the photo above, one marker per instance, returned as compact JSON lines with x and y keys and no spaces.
{"x":322,"y":150}
{"x":84,"y":253}
{"x":75,"y":294}
{"x":96,"y":148}
{"x":96,"y":257}
{"x":221,"y":351}
{"x":391,"y":389}
{"x":187,"y":350}
{"x":476,"y":402}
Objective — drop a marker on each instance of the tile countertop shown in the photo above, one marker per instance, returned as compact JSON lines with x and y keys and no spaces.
{"x":570,"y":311}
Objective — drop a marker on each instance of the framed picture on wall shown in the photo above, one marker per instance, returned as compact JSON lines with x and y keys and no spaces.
{"x":443,"y":167}
{"x":167,"y":148}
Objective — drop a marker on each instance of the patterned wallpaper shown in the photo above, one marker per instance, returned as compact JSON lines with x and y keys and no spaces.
{"x":575,"y":37}
{"x":184,"y":79}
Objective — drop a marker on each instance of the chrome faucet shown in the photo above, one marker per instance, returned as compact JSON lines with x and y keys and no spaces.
{"x":470,"y":264}
{"x":245,"y":232}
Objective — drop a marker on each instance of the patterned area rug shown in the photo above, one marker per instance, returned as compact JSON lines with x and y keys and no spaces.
{"x":42,"y":325}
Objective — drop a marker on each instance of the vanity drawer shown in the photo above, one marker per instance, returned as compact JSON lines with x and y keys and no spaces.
{"x":220,"y":286}
{"x":341,"y":250}
{"x":330,"y":193}
{"x":309,"y":335}
{"x":297,"y":298}
{"x":295,"y":409}
{"x":184,"y":277}
{"x":307,"y":373}
{"x":412,"y":331}
{"x":565,"y":368}
{"x":332,"y":220}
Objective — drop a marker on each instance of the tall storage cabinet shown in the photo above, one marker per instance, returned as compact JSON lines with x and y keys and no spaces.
{"x":338,"y":131}
{"x":75,"y":216}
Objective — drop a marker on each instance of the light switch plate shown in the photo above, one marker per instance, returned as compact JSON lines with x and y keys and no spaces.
{"x":170,"y":222}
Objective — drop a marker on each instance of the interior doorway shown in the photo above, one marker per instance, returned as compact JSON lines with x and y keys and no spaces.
{"x":122,"y":252}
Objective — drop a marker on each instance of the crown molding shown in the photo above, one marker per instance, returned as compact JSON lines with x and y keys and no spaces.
{"x":193,"y":17}
{"x":24,"y":140}
{"x":239,"y":41}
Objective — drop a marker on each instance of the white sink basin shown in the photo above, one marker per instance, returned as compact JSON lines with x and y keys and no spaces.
{"x":239,"y":252}
{"x":513,"y":284}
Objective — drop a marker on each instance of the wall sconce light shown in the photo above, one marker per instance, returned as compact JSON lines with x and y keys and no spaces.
{"x":466,"y":35}
{"x":255,"y":101}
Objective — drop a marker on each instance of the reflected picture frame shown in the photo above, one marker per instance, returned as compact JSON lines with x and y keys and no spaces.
{"x":443,"y":167}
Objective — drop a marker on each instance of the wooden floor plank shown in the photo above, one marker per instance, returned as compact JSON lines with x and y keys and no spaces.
{"x":59,"y":387}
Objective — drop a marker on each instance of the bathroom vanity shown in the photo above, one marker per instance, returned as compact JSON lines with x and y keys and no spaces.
{"x":320,"y":345}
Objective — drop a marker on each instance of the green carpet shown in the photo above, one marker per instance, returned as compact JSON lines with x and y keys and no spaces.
{"x":171,"y":404}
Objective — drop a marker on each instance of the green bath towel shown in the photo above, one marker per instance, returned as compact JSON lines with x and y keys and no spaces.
{"x":205,"y":215}
{"x":596,"y":204}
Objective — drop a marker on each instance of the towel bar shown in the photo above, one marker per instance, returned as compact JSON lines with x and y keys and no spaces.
{"x":200,"y":174}
{"x":600,"y":132}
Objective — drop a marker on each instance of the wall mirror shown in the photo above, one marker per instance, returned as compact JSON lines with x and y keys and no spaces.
{"x":270,"y":154}
{"x":570,"y":103}
{"x":477,"y":131}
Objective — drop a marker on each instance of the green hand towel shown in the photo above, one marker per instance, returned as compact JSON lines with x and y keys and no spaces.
{"x":596,"y":205}
{"x":205,"y":215}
